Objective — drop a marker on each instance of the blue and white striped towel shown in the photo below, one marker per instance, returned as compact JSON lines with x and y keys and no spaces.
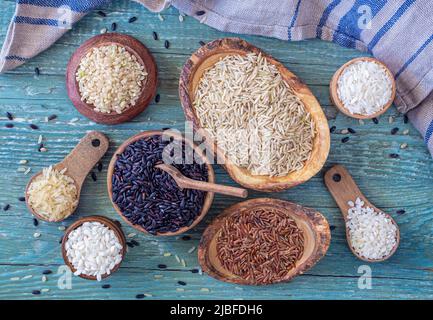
{"x":397,"y":32}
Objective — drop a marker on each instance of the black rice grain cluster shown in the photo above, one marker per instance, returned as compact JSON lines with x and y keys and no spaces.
{"x":149,"y":197}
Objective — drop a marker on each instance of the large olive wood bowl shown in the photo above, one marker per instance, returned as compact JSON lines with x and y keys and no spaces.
{"x":148,"y":88}
{"x":211,"y":178}
{"x":190,"y":77}
{"x":317,"y":237}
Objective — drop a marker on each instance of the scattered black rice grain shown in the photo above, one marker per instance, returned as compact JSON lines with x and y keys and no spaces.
{"x":331,"y":228}
{"x":37,"y":71}
{"x":9,"y":115}
{"x":140,"y":296}
{"x":129,"y":244}
{"x":47,"y":271}
{"x":345,"y":139}
{"x":394,"y":155}
{"x":61,"y":239}
{"x":6,"y":207}
{"x":155,"y":35}
{"x":35,"y":222}
{"x":401,"y":211}
{"x":182,"y":283}
{"x":101,"y":13}
{"x":52,"y":117}
{"x":113,"y":26}
{"x":36,"y":292}
{"x":405,"y":119}
{"x":157,"y":98}
{"x":202,"y":43}
{"x":149,"y":197}
{"x":186,"y":238}
{"x":106,"y":286}
{"x":375,"y":120}
{"x":336,"y":177}
{"x":332,"y":129}
{"x":100,"y":166}
{"x":93,"y":175}
{"x":9,"y":125}
{"x":132,"y":19}
{"x":135,"y":242}
{"x":394,"y":130}
{"x":194,"y":270}
{"x":351,"y":130}
{"x":162,"y":266}
{"x":41,"y":145}
{"x":166,"y":44}
{"x":34,"y":127}
{"x":200,"y":13}
{"x":22,"y":199}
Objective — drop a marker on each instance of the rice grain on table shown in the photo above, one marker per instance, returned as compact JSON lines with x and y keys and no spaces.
{"x":254,"y":116}
{"x":110,"y":78}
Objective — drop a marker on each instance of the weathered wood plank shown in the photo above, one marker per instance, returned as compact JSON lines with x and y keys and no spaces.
{"x":391,"y":184}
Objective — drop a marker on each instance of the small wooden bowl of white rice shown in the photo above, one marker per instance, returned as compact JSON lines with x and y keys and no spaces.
{"x":111,"y":78}
{"x":363,"y":88}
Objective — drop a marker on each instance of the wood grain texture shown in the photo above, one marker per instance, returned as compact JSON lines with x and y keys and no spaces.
{"x":391,"y":184}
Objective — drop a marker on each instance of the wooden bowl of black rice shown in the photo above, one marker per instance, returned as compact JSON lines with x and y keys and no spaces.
{"x":146,"y":197}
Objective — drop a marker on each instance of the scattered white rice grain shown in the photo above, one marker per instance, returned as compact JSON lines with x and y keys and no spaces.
{"x":160,"y":17}
{"x":23,"y":161}
{"x":203,"y":19}
{"x":44,"y":278}
{"x":167,"y":254}
{"x":183,"y":263}
{"x":177,"y":258}
{"x":28,"y":170}
{"x":21,"y":169}
{"x":191,"y":250}
{"x":158,"y":276}
{"x":344,"y":131}
{"x":43,"y":149}
{"x":45,"y":290}
{"x":103,"y":30}
{"x":27,"y":277}
{"x":148,"y":295}
{"x":403,"y":145}
{"x":61,"y":228}
{"x":36,"y":235}
{"x":131,"y":235}
{"x":14,"y":279}
{"x":181,"y":18}
{"x":406,"y":132}
{"x":180,"y":289}
{"x":40,"y":139}
{"x":390,"y":119}
{"x":361,"y":122}
{"x":205,"y":289}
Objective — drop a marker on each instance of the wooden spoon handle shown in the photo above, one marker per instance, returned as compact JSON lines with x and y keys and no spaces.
{"x":85,"y":155}
{"x":212,"y":187}
{"x":342,"y":187}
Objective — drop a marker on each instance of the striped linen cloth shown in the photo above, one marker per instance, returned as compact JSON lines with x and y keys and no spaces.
{"x":397,"y":32}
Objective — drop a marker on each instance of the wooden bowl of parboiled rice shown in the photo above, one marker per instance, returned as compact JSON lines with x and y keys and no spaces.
{"x":111,"y":78}
{"x":256,"y":116}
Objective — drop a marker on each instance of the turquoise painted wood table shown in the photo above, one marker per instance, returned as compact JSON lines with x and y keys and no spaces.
{"x":391,"y":184}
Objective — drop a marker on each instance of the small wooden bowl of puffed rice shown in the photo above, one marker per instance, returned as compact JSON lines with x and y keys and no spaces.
{"x":94,"y":247}
{"x":111,"y":78}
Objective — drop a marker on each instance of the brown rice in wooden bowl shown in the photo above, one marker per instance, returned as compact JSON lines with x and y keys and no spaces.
{"x":257,"y":116}
{"x":111,"y":78}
